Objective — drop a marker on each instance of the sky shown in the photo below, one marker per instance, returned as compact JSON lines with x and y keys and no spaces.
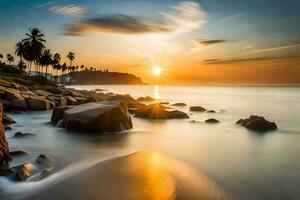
{"x":193,"y":42}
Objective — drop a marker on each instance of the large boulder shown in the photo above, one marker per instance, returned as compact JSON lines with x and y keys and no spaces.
{"x":57,"y":113}
{"x":71,"y":101}
{"x":257,"y":123}
{"x":35,"y":103}
{"x":19,"y":104}
{"x":4,"y":151}
{"x":158,"y":111}
{"x":106,"y":116}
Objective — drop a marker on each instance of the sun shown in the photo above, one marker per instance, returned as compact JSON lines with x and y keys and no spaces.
{"x":156,"y":71}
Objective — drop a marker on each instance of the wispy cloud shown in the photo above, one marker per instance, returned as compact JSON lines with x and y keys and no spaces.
{"x":116,"y":24}
{"x":247,"y":47}
{"x":241,"y":60}
{"x":73,"y":9}
{"x":205,"y":42}
{"x":231,"y":17}
{"x":183,"y":17}
{"x":45,"y":4}
{"x":278,"y":48}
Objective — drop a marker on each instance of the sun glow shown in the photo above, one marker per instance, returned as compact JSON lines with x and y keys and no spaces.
{"x":156,"y":71}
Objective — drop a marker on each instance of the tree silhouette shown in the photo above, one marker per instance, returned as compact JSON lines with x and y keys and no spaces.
{"x":34,"y":46}
{"x":46,"y":59}
{"x":10,"y":59}
{"x":71,"y":57}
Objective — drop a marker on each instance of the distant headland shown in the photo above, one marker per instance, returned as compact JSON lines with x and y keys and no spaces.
{"x":87,"y":77}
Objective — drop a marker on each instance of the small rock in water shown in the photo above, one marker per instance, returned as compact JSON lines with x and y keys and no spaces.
{"x":212,"y":121}
{"x":211,"y":111}
{"x":197,"y":109}
{"x":178,"y":104}
{"x":20,"y":134}
{"x":19,"y":153}
{"x":20,"y":172}
{"x":43,"y":159}
{"x":257,"y":123}
{"x":7,"y":128}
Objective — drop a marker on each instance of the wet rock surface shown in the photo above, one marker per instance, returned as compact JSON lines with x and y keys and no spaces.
{"x":158,"y":111}
{"x":197,"y":109}
{"x":4,"y":150}
{"x":257,"y":123}
{"x":107,"y":116}
{"x":212,"y":121}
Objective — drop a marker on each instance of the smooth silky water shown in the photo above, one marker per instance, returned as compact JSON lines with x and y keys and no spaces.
{"x":240,"y":163}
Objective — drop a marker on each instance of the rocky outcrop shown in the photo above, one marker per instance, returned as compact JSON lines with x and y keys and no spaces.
{"x":197,"y":109}
{"x":257,"y":123}
{"x":147,"y":98}
{"x":21,"y":135}
{"x":4,"y":151}
{"x":158,"y":111}
{"x":178,"y":104}
{"x":106,"y":116}
{"x":35,"y":103}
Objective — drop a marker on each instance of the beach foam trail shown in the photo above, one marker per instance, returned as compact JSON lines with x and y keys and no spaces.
{"x":17,"y":191}
{"x":141,"y":175}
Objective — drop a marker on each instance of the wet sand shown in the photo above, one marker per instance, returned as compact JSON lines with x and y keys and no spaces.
{"x":141,"y":176}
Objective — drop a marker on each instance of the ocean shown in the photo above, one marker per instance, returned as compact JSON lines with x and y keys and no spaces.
{"x":242,"y":163}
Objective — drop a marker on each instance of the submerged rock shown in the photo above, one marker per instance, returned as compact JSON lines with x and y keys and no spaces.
{"x":257,"y":123}
{"x":106,"y":116}
{"x":19,"y":153}
{"x":211,"y":111}
{"x":212,"y":121}
{"x":20,"y":134}
{"x":178,"y":104}
{"x":4,"y":150}
{"x":158,"y":111}
{"x":197,"y":109}
{"x":20,"y":172}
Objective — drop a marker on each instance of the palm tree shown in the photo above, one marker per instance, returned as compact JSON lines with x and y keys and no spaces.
{"x":77,"y":67}
{"x":56,"y":61}
{"x":21,"y":66}
{"x":82,"y":67}
{"x":1,"y":56}
{"x":34,"y":46}
{"x":46,"y":59}
{"x":71,"y":57}
{"x":64,"y":68}
{"x":20,"y":50}
{"x":10,"y":58}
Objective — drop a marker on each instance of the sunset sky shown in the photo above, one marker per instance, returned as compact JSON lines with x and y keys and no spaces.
{"x":204,"y":41}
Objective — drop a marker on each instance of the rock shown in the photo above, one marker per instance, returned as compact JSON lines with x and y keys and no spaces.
{"x":164,"y":103}
{"x":20,"y":134}
{"x":147,"y":98}
{"x":19,"y":153}
{"x":7,"y":128}
{"x":71,"y":101}
{"x":211,"y":111}
{"x":178,"y":104}
{"x":58,"y":112}
{"x":60,"y":101}
{"x":91,"y":99}
{"x":4,"y":150}
{"x":10,"y":94}
{"x":80,"y":100}
{"x":42,"y":93}
{"x":43,"y":159}
{"x":257,"y":123}
{"x":19,"y":104}
{"x":197,"y":109}
{"x":35,"y":103}
{"x":106,"y":116}
{"x":212,"y":121}
{"x":7,"y":120}
{"x":118,"y":97}
{"x":20,"y":172}
{"x":61,"y":124}
{"x":158,"y":111}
